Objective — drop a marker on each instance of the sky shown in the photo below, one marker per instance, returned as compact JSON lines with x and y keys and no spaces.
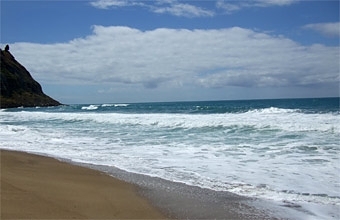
{"x":122,"y":51}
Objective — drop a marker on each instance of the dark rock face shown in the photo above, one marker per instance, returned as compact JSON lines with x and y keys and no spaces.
{"x":18,"y":88}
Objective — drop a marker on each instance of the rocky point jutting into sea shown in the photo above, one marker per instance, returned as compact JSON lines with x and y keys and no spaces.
{"x":18,"y":88}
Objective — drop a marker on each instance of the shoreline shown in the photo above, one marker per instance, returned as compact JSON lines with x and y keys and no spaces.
{"x":140,"y":196}
{"x":181,"y":201}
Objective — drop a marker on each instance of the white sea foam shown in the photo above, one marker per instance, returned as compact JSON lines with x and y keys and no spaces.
{"x":90,"y":107}
{"x":121,"y":105}
{"x":95,"y":107}
{"x":107,"y":105}
{"x":257,"y":120}
{"x":273,"y":110}
{"x":286,"y":120}
{"x":278,"y":154}
{"x":114,"y":105}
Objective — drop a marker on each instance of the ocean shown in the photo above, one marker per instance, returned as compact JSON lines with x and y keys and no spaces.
{"x":285,"y":150}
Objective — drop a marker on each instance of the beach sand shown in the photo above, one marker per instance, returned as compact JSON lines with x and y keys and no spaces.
{"x":39,"y":187}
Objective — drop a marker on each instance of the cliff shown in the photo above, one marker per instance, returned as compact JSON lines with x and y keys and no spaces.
{"x":18,"y":88}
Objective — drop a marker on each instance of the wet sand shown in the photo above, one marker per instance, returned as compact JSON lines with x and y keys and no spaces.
{"x":38,"y":187}
{"x":182,"y":201}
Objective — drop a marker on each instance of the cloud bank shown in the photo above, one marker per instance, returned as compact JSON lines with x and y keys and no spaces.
{"x":331,"y":29}
{"x":174,"y":58}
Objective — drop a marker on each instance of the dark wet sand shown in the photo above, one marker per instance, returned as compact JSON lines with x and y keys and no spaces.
{"x":41,"y":187}
{"x":182,"y":201}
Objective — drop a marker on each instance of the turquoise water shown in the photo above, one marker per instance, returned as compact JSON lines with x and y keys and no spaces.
{"x":313,"y":105}
{"x":284,"y":150}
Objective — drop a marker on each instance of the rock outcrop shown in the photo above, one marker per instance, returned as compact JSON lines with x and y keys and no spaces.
{"x":18,"y":88}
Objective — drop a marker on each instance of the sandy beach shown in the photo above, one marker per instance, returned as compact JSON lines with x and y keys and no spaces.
{"x":38,"y":187}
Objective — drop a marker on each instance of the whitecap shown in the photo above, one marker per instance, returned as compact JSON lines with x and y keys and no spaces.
{"x":273,"y":110}
{"x":90,"y":107}
{"x":107,"y":105}
{"x":121,"y":105}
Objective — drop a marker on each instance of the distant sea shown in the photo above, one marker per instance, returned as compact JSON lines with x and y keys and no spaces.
{"x":283,"y":150}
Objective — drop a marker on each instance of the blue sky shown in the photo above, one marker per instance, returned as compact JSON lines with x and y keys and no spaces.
{"x":109,"y":51}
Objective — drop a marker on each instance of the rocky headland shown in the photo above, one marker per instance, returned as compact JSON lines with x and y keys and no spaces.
{"x":18,"y":88}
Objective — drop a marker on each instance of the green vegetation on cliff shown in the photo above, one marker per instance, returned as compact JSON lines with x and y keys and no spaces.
{"x":18,"y":88}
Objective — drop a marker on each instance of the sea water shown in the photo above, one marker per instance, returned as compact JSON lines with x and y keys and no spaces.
{"x":285,"y":150}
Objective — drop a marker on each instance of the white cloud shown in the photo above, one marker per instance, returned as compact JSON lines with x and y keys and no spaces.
{"x":331,"y":29}
{"x":268,"y":3}
{"x":229,"y":8}
{"x":189,"y":9}
{"x":174,"y":58}
{"x":186,"y":10}
{"x":106,"y":4}
{"x":169,"y":7}
{"x":232,"y":6}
